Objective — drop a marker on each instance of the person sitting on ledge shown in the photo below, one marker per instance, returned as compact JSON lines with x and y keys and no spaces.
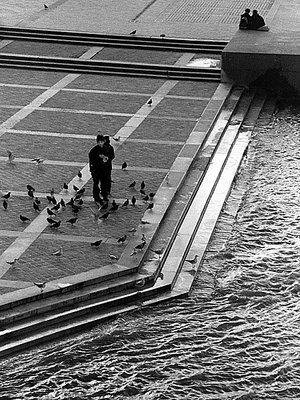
{"x":245,"y":20}
{"x":257,"y":22}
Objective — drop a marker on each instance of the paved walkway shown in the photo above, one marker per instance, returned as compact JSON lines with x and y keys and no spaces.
{"x":56,"y":116}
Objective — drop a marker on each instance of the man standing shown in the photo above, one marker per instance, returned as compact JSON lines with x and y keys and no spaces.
{"x":98,"y":158}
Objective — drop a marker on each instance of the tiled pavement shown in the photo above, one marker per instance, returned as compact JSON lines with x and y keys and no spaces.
{"x":56,"y":117}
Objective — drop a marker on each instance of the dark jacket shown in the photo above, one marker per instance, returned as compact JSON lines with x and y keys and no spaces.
{"x":245,"y":21}
{"x":257,"y":21}
{"x":97,"y":157}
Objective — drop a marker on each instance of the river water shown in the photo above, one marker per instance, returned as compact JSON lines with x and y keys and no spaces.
{"x":236,"y":337}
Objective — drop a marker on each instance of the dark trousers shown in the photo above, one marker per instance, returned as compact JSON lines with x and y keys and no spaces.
{"x":100,"y":185}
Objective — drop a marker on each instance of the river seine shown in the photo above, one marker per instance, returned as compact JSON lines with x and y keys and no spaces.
{"x":236,"y":337}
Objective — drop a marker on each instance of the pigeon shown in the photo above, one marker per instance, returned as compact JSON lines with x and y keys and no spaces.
{"x":97,"y":243}
{"x":72,"y":220}
{"x":30,"y":194}
{"x":113,"y":257}
{"x":140,"y":282}
{"x":143,"y":238}
{"x":125,"y":204}
{"x":79,"y":191}
{"x":104,"y":216}
{"x":132,"y":230}
{"x":133,"y":200}
{"x":146,"y":198}
{"x":114,"y":206}
{"x":5,"y":204}
{"x":142,"y":191}
{"x":143,"y":185}
{"x":150,"y":206}
{"x":117,"y":139}
{"x":122,"y":239}
{"x":35,"y":206}
{"x":23,"y":218}
{"x":49,"y":198}
{"x":71,"y":202}
{"x":75,"y":188}
{"x":140,"y":246}
{"x":144,"y":222}
{"x":132,"y":185}
{"x":149,"y":102}
{"x":31,"y":188}
{"x":56,"y":207}
{"x":51,"y":220}
{"x":151,"y":195}
{"x":12,"y":262}
{"x":193,"y":261}
{"x":55,"y":224}
{"x":80,"y":202}
{"x":62,"y":203}
{"x":133,"y":32}
{"x":52,"y":192}
{"x":79,"y":174}
{"x":124,"y":165}
{"x":162,"y":35}
{"x":65,"y":186}
{"x":50,"y":212}
{"x":40,"y":285}
{"x":45,"y":6}
{"x":58,"y":252}
{"x":10,"y":156}
{"x":75,"y":208}
{"x":6,"y":196}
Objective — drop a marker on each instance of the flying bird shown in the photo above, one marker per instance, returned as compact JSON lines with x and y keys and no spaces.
{"x":133,"y":32}
{"x":23,"y":218}
{"x":193,"y":261}
{"x":125,"y":204}
{"x":133,"y":200}
{"x":72,"y":220}
{"x":5,"y":204}
{"x":6,"y":196}
{"x":58,"y":252}
{"x":124,"y":165}
{"x":132,"y":185}
{"x":149,"y":102}
{"x":41,"y":285}
{"x":97,"y":243}
{"x":11,"y":156}
{"x":122,"y":239}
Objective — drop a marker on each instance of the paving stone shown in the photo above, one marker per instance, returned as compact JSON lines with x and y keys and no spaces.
{"x":173,"y":130}
{"x":104,"y":102}
{"x":180,"y":108}
{"x":43,"y":178}
{"x":117,"y":83}
{"x":194,"y":89}
{"x":147,"y":155}
{"x":5,"y":113}
{"x":138,"y":56}
{"x":29,"y":77}
{"x":45,"y":49}
{"x":4,"y":240}
{"x":63,"y":122}
{"x":16,"y":96}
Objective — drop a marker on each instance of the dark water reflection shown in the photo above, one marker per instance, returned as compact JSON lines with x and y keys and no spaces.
{"x":237,"y":337}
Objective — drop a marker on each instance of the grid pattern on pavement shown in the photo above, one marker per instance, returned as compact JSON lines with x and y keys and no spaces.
{"x":32,"y":130}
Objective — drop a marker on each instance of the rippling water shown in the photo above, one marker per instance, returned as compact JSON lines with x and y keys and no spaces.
{"x":236,"y":337}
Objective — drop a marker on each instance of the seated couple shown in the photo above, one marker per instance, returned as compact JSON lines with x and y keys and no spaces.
{"x":253,"y":22}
